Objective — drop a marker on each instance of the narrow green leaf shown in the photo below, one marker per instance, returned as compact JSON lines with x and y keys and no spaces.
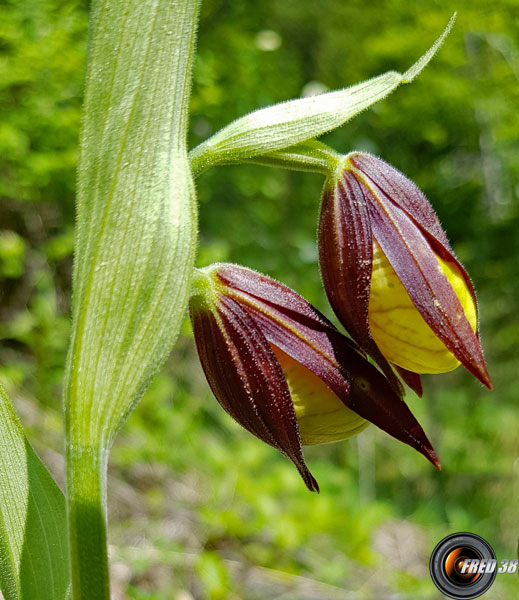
{"x":33,"y":531}
{"x":289,"y":123}
{"x":422,"y":62}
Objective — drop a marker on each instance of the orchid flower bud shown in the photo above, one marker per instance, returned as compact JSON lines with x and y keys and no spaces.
{"x":284,"y":372}
{"x":391,"y":276}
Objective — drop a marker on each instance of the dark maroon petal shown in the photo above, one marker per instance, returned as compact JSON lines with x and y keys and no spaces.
{"x":349,"y":375}
{"x":403,"y":192}
{"x":275,"y":297}
{"x":247,"y":379}
{"x":411,"y":256}
{"x":346,"y":260}
{"x":302,"y":332}
{"x":411,"y":379}
{"x":271,"y":293}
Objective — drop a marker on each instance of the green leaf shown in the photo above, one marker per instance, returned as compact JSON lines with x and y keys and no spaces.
{"x":33,"y":531}
{"x":289,"y":123}
{"x":136,"y":211}
{"x":135,"y":243}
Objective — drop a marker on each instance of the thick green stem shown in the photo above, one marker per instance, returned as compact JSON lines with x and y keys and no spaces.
{"x":135,"y":245}
{"x":86,"y":493}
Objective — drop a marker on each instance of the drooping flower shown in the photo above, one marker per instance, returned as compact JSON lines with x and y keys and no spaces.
{"x":391,"y":275}
{"x":284,"y":372}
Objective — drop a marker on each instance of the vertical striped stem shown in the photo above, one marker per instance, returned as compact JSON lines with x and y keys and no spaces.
{"x":135,"y":245}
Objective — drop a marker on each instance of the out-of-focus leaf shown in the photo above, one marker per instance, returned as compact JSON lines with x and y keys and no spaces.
{"x":33,"y":533}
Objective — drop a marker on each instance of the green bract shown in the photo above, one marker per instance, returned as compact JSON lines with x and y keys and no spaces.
{"x":289,"y":123}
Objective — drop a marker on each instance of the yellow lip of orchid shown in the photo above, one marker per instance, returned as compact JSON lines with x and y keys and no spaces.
{"x":391,"y":276}
{"x":398,"y":328}
{"x":322,"y":417}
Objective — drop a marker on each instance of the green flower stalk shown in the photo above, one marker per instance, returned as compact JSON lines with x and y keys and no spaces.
{"x":284,"y":372}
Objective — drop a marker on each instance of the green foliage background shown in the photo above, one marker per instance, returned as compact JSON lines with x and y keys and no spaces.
{"x":198,"y":508}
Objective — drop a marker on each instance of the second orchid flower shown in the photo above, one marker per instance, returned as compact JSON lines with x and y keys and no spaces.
{"x":284,"y":372}
{"x":391,"y":275}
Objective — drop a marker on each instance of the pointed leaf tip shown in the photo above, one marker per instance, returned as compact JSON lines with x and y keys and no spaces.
{"x":423,"y":61}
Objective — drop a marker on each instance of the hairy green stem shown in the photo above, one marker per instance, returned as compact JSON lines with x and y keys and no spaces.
{"x":312,"y":156}
{"x":86,"y":490}
{"x":135,"y":246}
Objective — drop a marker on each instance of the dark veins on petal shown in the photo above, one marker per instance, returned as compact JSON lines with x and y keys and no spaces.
{"x":247,"y":380}
{"x":346,"y":260}
{"x":402,"y":192}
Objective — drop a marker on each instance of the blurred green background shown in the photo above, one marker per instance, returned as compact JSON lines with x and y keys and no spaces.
{"x":198,"y":508}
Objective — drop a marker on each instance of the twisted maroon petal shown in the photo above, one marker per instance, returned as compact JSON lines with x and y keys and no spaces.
{"x":411,"y":379}
{"x":292,"y":324}
{"x":247,"y":379}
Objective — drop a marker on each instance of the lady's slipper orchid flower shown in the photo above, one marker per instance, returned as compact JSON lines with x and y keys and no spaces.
{"x":391,"y":276}
{"x":284,"y":372}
